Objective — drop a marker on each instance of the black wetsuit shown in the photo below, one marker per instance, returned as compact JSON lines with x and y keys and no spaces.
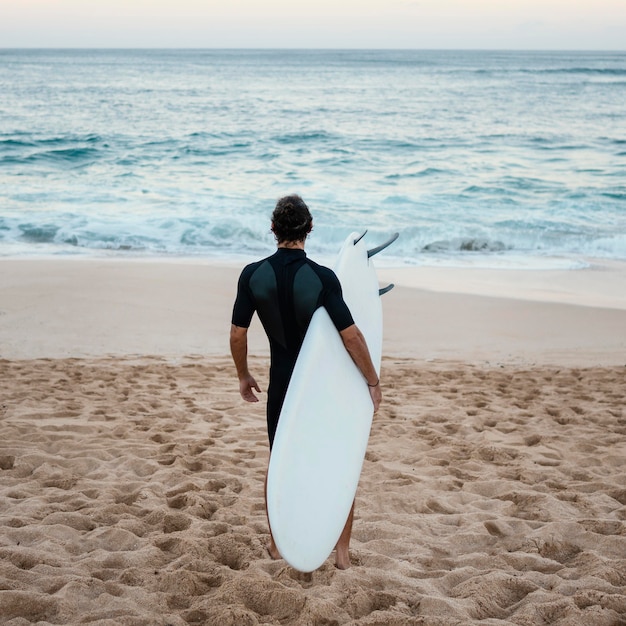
{"x":285,"y":290}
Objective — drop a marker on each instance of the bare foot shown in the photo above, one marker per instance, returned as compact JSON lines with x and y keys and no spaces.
{"x":342,"y":560}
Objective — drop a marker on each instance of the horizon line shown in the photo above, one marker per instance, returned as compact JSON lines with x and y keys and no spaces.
{"x":311,"y":48}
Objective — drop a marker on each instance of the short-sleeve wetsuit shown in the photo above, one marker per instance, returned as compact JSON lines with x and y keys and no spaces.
{"x":285,"y":290}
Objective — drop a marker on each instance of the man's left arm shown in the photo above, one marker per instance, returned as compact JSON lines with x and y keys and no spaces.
{"x":355,"y":344}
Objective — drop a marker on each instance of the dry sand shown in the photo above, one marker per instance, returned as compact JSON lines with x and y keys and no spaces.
{"x":131,"y":478}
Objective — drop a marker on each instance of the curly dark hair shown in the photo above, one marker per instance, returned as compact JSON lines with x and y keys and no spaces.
{"x":291,"y":219}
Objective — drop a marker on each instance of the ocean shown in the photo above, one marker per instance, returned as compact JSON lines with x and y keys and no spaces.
{"x":485,"y":159}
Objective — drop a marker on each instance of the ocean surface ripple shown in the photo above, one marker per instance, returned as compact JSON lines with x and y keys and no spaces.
{"x":498,"y":159}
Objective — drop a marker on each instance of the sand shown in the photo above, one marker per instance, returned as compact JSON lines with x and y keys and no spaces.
{"x":131,"y":473}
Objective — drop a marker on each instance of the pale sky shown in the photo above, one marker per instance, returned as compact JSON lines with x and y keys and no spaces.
{"x":483,"y":24}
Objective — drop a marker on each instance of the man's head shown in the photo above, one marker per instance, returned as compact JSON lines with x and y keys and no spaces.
{"x":291,"y":220}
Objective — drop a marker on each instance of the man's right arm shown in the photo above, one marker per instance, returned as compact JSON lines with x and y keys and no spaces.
{"x":239,"y":351}
{"x":355,"y":344}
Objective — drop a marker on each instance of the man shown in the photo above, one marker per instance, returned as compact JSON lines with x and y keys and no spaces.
{"x":285,"y":289}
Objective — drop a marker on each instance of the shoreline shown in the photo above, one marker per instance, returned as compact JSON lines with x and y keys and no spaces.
{"x":56,"y":308}
{"x":596,"y":284}
{"x":600,"y":285}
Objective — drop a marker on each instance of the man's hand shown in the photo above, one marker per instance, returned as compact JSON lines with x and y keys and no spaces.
{"x":376,"y":395}
{"x":239,"y":350}
{"x":246,"y":385}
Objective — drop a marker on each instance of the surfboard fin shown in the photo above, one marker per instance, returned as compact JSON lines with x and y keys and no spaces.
{"x":386,"y":289}
{"x":360,"y":237}
{"x":377,"y":249}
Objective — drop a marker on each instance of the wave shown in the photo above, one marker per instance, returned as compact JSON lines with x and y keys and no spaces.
{"x":305,"y":136}
{"x":550,"y":71}
{"x":218,"y":150}
{"x":45,"y":233}
{"x":177,"y":236}
{"x":62,"y":149}
{"x":15,"y":143}
{"x":600,"y":71}
{"x":466,"y":245}
{"x":49,"y":141}
{"x":65,"y":156}
{"x":423,"y":173}
{"x":614,"y":195}
{"x":233,"y":236}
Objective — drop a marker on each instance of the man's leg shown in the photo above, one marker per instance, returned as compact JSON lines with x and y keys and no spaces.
{"x":279,"y":381}
{"x":342,"y":560}
{"x":272,"y":549}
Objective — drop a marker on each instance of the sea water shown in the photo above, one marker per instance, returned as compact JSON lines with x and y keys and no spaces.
{"x":499,"y":159}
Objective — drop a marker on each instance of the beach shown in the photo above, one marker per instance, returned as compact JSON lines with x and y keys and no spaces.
{"x":493,"y":490}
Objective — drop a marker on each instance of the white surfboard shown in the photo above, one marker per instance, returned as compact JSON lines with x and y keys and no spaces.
{"x":325,"y":422}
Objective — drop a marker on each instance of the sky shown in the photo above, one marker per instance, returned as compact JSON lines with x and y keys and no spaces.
{"x":452,"y":24}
